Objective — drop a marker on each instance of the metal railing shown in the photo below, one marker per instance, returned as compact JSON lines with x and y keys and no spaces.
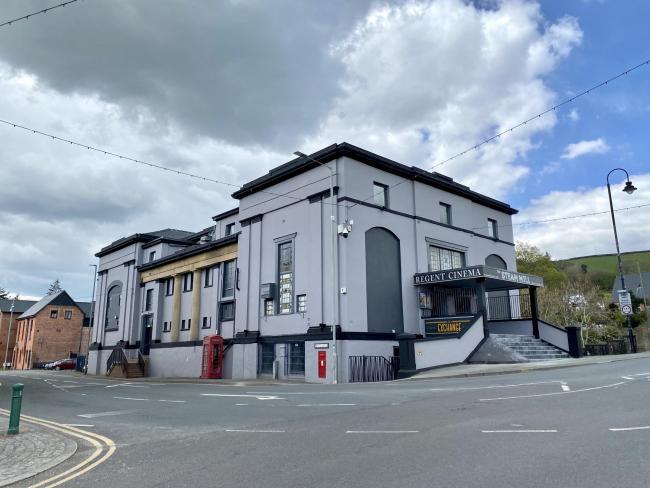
{"x":509,"y":307}
{"x":620,"y":346}
{"x":117,"y":357}
{"x":141,"y":363}
{"x":448,"y":302}
{"x":372,"y":368}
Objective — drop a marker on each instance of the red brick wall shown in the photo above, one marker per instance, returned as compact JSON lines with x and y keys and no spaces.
{"x":50,"y":338}
{"x":4,"y":332}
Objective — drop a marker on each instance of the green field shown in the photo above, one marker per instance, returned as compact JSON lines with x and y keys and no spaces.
{"x":607,"y":262}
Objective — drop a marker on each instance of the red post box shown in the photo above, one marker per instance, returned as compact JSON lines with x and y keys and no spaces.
{"x":322,"y":364}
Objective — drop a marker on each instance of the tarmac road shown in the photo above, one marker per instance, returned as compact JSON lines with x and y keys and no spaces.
{"x":574,"y":427}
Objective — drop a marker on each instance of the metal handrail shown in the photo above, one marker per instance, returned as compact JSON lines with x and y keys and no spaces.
{"x":141,"y":362}
{"x":116,"y":357}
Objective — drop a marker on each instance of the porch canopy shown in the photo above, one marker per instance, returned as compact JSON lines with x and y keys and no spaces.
{"x":494,"y":279}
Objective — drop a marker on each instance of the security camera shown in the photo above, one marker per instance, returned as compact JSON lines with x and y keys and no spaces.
{"x":344,"y":230}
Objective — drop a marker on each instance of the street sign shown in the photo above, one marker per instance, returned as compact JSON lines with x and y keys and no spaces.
{"x":625,"y":302}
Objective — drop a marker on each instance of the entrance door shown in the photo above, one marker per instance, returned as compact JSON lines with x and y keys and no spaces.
{"x":145,"y":337}
{"x":296,"y":359}
{"x":267,"y":356}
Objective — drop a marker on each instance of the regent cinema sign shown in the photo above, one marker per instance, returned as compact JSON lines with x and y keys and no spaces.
{"x":477,"y":272}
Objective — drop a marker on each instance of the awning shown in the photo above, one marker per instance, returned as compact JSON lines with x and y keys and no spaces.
{"x":495,"y":278}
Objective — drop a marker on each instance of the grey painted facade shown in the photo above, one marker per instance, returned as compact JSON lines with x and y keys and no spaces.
{"x":288,"y":284}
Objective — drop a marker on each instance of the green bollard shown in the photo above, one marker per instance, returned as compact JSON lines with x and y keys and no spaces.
{"x":16,"y":402}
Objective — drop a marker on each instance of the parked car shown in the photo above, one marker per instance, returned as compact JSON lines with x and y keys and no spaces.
{"x":62,"y":364}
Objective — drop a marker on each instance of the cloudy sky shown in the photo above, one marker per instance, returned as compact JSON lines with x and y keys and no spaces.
{"x":229,"y":89}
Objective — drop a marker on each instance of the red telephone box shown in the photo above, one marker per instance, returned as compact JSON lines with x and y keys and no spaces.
{"x":212,"y":366}
{"x":322,"y":364}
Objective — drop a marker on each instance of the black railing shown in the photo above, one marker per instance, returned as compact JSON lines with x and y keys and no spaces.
{"x":612,"y":347}
{"x":116,"y":358}
{"x":509,"y":307}
{"x":372,"y":368}
{"x":141,"y":363}
{"x":448,"y":302}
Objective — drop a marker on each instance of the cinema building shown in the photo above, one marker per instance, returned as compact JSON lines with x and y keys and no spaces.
{"x":418,"y":271}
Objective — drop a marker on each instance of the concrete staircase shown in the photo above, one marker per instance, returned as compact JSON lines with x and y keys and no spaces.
{"x":529,"y":347}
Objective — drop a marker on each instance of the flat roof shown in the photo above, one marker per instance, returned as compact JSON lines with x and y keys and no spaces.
{"x":495,"y":278}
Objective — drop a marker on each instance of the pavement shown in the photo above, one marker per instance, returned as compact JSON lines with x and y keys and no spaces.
{"x":587,"y":425}
{"x":33,"y":450}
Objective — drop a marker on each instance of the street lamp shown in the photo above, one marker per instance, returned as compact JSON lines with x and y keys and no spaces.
{"x":629,"y":189}
{"x":333,"y":230}
{"x":11,"y":316}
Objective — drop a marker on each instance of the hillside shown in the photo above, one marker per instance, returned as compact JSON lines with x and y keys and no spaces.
{"x":607,"y":262}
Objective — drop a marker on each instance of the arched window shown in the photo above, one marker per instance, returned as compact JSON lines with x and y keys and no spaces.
{"x":112,"y":321}
{"x":496,"y":261}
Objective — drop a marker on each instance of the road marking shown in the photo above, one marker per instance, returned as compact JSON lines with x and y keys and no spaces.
{"x":326,"y":405}
{"x":104,"y":414}
{"x":79,"y":425}
{"x":303,"y":392}
{"x":173,"y":401}
{"x":627,"y":378}
{"x":496,"y":386}
{"x":241,"y":404}
{"x":621,"y":429}
{"x":99,"y":442}
{"x":519,"y":431}
{"x":642,"y":374}
{"x":130,"y":385}
{"x":256,"y":431}
{"x":134,"y":399}
{"x":259,"y":397}
{"x":565,"y":387}
{"x":556,"y":393}
{"x":382,"y":431}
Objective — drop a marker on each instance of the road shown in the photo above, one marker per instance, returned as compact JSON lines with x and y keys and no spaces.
{"x":572,"y":427}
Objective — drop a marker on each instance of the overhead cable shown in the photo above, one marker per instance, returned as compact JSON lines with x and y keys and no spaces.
{"x":25,"y":17}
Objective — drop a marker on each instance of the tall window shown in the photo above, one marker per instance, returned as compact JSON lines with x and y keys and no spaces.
{"x":441,"y":258}
{"x":445,"y":213}
{"x":208,"y":277}
{"x":188,"y":281}
{"x":493,"y":229}
{"x":302,"y":303}
{"x":113,"y":307}
{"x":152,"y":256}
{"x":269,"y":306}
{"x":285,"y":272}
{"x":227,"y":311}
{"x":380,"y":194}
{"x":148,"y":300}
{"x":169,"y":286}
{"x":228,"y":283}
{"x":230,"y":228}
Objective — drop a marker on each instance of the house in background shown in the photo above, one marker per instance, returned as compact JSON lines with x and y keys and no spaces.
{"x":636,"y":283}
{"x":9,"y":318}
{"x":50,"y":329}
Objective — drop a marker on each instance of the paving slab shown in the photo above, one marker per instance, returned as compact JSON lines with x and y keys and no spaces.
{"x":33,"y":450}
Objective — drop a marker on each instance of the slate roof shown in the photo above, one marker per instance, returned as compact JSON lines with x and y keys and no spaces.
{"x":173,"y":234}
{"x":60,"y":298}
{"x":633,"y":284}
{"x":300,"y":165}
{"x":20,"y":306}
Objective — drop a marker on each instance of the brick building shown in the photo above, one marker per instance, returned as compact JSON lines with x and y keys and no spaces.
{"x":10,"y":310}
{"x":50,"y":329}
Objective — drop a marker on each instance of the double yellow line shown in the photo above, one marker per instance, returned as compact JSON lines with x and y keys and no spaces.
{"x":103,"y":449}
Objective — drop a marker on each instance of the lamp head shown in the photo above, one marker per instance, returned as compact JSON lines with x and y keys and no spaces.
{"x":629,"y":187}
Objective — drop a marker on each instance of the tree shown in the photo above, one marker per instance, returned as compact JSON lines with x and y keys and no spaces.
{"x":532,"y":261}
{"x":55,"y":287}
{"x":3,"y":293}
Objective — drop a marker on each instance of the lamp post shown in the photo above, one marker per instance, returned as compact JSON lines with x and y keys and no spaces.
{"x":92,"y":311}
{"x":629,"y":189}
{"x":333,"y":230}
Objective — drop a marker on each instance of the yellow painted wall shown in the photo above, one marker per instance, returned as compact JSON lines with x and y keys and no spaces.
{"x":191,"y":263}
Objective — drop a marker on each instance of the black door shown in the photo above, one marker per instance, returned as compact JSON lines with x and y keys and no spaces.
{"x":145,"y":338}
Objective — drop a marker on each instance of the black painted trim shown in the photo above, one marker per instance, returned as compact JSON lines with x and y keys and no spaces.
{"x":424,"y":219}
{"x":251,"y":220}
{"x":201,"y":248}
{"x":129,"y":262}
{"x":317,"y":197}
{"x":169,"y":345}
{"x":463,"y":332}
{"x":227,"y":213}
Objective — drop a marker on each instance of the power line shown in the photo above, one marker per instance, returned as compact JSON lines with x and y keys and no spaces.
{"x":521,"y":124}
{"x":25,"y":17}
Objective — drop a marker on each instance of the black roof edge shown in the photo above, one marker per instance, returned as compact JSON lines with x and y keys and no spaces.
{"x":300,"y":165}
{"x":167,"y":240}
{"x":196,"y":249}
{"x":126,"y":241}
{"x":227,"y":213}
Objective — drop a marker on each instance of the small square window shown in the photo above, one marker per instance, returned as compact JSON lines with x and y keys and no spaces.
{"x":207,"y":323}
{"x":152,"y":256}
{"x":302,"y":303}
{"x":167,"y":326}
{"x":269,"y":306}
{"x":445,"y":213}
{"x":380,"y":194}
{"x":67,"y":314}
{"x":493,"y":229}
{"x":230,"y":228}
{"x":227,"y":311}
{"x":183,"y":324}
{"x":54,"y":314}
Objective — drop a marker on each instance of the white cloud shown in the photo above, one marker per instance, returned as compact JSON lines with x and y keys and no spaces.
{"x":425,"y":80}
{"x":591,"y":234}
{"x":574,"y":115}
{"x":596,"y":146}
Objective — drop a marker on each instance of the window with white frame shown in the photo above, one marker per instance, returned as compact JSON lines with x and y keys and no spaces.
{"x":493,"y":229}
{"x":148,"y":300}
{"x":442,"y":258}
{"x":230,"y":229}
{"x":152,"y":256}
{"x":67,"y":314}
{"x":302,"y":303}
{"x":208,"y":277}
{"x":269,"y":306}
{"x":228,"y":282}
{"x":445,"y":213}
{"x":380,"y":194}
{"x":227,"y":311}
{"x":285,"y":277}
{"x":167,"y":326}
{"x":188,"y":281}
{"x":169,"y":286}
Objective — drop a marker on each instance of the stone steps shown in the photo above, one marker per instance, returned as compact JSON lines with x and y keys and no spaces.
{"x":529,"y":347}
